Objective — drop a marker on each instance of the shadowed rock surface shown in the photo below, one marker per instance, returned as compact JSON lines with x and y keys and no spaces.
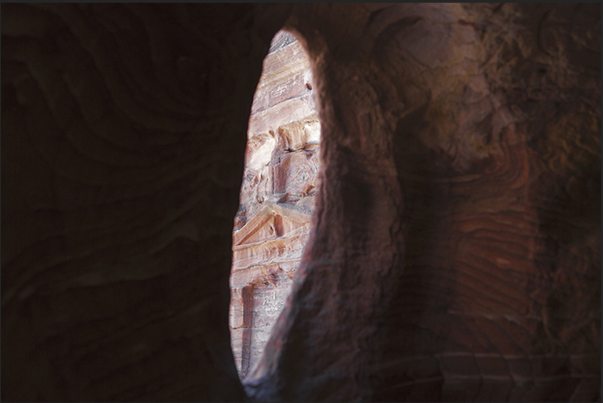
{"x":451,"y":137}
{"x":454,"y":253}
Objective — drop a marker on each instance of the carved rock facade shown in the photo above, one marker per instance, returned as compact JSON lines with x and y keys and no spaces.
{"x":277,"y":197}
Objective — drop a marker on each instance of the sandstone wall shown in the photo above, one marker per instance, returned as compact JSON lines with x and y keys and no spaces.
{"x":123,"y":141}
{"x":277,"y":197}
{"x":454,"y":253}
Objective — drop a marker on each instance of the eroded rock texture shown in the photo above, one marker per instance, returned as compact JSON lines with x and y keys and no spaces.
{"x":277,"y":197}
{"x":455,"y":248}
{"x":123,"y":140}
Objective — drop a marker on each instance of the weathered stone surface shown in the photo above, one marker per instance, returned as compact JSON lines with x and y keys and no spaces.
{"x":455,"y":249}
{"x":277,"y":197}
{"x":461,"y":148}
{"x":123,"y":138}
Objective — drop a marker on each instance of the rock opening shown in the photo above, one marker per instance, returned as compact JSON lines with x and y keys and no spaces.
{"x":277,"y":197}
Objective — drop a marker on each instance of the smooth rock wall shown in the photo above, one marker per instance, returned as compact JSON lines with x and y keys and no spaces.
{"x":123,"y":138}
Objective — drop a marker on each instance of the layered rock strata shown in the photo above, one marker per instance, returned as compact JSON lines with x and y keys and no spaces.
{"x":455,"y":248}
{"x":277,"y":197}
{"x":123,"y":141}
{"x":455,"y":255}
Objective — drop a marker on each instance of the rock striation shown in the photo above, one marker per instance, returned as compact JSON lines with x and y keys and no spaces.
{"x":454,"y":251}
{"x":277,"y":197}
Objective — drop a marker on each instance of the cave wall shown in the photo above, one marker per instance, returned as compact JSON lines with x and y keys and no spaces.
{"x":123,"y":142}
{"x":454,"y":252}
{"x":455,"y":255}
{"x":277,"y":197}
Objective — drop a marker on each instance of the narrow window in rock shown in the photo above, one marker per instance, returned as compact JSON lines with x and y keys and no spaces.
{"x":277,"y":197}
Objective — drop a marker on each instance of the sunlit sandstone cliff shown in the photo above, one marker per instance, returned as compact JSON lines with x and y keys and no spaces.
{"x":277,"y":197}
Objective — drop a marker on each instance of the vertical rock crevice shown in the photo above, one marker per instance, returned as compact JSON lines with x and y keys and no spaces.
{"x":277,"y":197}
